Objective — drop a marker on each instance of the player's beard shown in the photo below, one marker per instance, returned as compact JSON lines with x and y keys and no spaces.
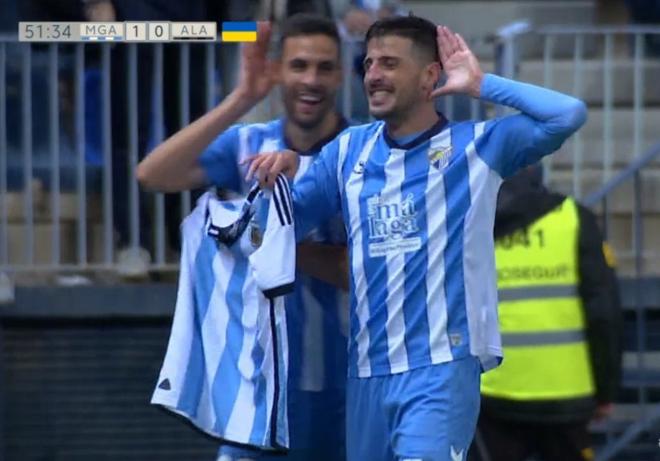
{"x":404,"y":104}
{"x":307,"y":121}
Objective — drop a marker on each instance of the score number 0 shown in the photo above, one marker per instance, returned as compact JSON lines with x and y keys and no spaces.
{"x":159,"y":31}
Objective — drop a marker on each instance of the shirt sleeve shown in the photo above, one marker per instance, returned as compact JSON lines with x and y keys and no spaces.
{"x":316,"y":196}
{"x":546,"y":120}
{"x":274,"y":262}
{"x":219,"y":160}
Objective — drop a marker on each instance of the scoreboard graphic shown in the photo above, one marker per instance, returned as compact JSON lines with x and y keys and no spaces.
{"x":133,"y":31}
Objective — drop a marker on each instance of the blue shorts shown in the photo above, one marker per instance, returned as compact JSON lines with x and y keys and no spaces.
{"x":317,"y":430}
{"x":426,"y":414}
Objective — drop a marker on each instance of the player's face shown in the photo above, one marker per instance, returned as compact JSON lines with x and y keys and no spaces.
{"x":310,"y":77}
{"x":395,"y":77}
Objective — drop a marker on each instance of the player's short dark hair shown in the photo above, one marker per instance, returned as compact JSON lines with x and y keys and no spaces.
{"x":302,"y":24}
{"x":420,"y":31}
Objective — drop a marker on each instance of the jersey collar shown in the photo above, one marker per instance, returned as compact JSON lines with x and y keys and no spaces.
{"x":342,"y":123}
{"x":423,"y":137}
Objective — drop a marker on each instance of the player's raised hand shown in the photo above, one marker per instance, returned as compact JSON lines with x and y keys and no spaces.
{"x":464,"y":75}
{"x":265,"y":167}
{"x":258,"y":73}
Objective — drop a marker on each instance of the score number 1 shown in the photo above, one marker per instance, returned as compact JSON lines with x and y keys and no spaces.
{"x":136,"y":32}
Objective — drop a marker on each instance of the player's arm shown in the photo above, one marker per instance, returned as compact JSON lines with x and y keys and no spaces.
{"x":175,"y":164}
{"x":328,"y":263}
{"x":316,"y":194}
{"x":548,"y":117}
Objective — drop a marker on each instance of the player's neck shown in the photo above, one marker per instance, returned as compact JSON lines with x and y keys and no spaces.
{"x":303,"y":139}
{"x":418,"y":120}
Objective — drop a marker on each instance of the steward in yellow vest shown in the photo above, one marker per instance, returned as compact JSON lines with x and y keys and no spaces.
{"x":560,"y":320}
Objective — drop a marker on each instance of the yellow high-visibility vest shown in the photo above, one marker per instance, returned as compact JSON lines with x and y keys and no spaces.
{"x":546,"y":354}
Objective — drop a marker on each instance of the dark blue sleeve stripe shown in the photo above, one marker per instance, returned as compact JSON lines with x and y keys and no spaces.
{"x":288,"y":192}
{"x":253,"y":192}
{"x":282,"y":193}
{"x":278,"y":207}
{"x":287,"y":195}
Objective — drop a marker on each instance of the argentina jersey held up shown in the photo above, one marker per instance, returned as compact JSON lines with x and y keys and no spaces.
{"x":317,"y":312}
{"x":419,"y":219}
{"x":226,"y":364}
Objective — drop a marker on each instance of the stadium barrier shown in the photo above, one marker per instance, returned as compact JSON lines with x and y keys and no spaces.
{"x":70,"y":157}
{"x":57,"y":143}
{"x":56,"y":132}
{"x":610,"y":67}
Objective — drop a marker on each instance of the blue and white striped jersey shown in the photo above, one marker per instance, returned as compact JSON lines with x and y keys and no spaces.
{"x":419,"y":220}
{"x":317,"y":312}
{"x":226,"y":363}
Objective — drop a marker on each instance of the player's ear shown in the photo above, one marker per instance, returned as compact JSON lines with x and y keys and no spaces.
{"x":431,"y":75}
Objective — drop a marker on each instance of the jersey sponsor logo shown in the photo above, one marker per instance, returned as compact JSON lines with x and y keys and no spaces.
{"x":456,"y":455}
{"x":439,"y":158}
{"x":392,"y":226}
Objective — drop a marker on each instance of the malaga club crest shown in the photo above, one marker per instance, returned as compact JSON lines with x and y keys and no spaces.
{"x":439,"y":158}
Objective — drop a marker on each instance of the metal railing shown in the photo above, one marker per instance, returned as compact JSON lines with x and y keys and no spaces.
{"x":612,"y":68}
{"x":90,"y":184}
{"x":632,"y":172}
{"x":63,"y":126}
{"x":66,"y":144}
{"x":591,"y":63}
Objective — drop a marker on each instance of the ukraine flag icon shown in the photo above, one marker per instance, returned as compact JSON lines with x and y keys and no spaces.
{"x":239,"y":31}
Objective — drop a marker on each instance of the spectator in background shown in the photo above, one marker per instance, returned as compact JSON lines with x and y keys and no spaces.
{"x":646,"y":12}
{"x":133,"y":262}
{"x":49,"y":10}
{"x":9,"y":17}
{"x":275,"y":11}
{"x":560,"y":319}
{"x":42,"y":11}
{"x":356,"y":16}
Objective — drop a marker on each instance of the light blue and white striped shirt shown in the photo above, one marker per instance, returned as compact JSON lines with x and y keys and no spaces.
{"x":226,"y":363}
{"x":317,"y":312}
{"x":419,"y":221}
